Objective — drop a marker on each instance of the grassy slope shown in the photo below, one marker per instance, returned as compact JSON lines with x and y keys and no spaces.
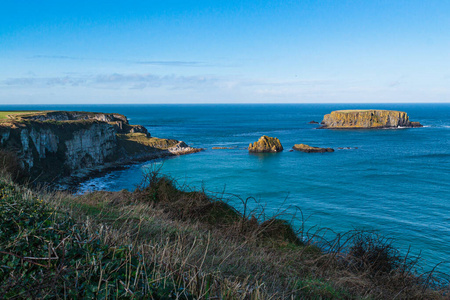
{"x":159,"y":241}
{"x":139,"y":142}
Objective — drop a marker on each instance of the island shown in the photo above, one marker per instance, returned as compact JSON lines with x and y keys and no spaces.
{"x":367,"y":119}
{"x":57,"y":145}
{"x":266,"y":144}
{"x":310,"y":149}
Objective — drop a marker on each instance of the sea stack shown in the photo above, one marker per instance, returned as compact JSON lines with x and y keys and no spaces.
{"x":266,"y":144}
{"x":367,"y":119}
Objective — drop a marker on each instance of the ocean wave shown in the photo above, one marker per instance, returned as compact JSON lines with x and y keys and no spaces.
{"x":95,"y":184}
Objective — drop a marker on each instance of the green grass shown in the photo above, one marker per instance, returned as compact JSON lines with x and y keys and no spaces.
{"x":135,"y":143}
{"x":363,"y":110}
{"x":4,"y":114}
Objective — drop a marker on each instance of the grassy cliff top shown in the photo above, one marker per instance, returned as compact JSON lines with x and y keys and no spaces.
{"x":363,"y":110}
{"x":4,"y":115}
{"x":54,"y":115}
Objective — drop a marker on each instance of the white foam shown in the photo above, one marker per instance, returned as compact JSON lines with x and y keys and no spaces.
{"x":95,"y":184}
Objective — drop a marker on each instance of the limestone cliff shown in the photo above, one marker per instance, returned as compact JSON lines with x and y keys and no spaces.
{"x":365,"y":119}
{"x":266,"y":144}
{"x":55,"y":144}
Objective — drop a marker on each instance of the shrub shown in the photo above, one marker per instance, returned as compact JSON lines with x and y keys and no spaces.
{"x":372,"y":252}
{"x":10,"y":165}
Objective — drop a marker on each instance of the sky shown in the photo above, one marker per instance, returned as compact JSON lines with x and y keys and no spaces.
{"x":204,"y":51}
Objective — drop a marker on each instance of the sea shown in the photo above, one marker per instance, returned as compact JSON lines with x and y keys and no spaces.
{"x":394,"y":182}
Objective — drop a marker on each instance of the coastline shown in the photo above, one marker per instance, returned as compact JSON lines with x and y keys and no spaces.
{"x":72,"y":181}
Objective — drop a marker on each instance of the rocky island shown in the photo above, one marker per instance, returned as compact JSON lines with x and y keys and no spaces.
{"x":52,"y":145}
{"x":367,"y":119}
{"x":266,"y":144}
{"x":310,"y":149}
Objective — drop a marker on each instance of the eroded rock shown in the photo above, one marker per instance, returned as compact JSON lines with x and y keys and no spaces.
{"x":367,"y":119}
{"x":266,"y":144}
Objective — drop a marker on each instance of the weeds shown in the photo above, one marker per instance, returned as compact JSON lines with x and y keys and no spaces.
{"x":45,"y":253}
{"x":163,"y":242}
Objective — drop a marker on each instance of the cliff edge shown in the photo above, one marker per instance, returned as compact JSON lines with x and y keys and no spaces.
{"x":366,"y":119}
{"x":52,"y":145}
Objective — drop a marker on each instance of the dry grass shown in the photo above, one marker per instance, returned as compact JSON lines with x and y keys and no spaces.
{"x":222,"y":251}
{"x":210,"y":251}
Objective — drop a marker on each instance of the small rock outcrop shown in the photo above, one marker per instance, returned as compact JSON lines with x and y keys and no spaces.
{"x":266,"y":144}
{"x":310,"y":149}
{"x":367,"y":119}
{"x":313,"y":122}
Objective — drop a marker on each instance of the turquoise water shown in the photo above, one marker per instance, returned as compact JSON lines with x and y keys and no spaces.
{"x":396,"y":182}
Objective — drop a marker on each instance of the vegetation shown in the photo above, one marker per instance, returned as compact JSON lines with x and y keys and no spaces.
{"x":4,"y":114}
{"x":166,"y":242}
{"x":139,"y":142}
{"x":10,"y":164}
{"x":46,"y":253}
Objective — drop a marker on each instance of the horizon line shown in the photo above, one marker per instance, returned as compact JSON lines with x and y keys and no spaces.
{"x":222,"y":103}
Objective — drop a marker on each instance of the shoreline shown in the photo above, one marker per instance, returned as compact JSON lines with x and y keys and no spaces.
{"x":72,"y":181}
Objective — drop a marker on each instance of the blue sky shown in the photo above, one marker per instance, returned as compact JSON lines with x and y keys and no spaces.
{"x":224,"y":51}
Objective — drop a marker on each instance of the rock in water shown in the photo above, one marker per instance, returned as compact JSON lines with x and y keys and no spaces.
{"x":309,"y":149}
{"x":266,"y":144}
{"x":366,"y":119}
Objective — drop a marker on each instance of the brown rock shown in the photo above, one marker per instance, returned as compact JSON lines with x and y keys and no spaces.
{"x":266,"y":144}
{"x":309,"y":149}
{"x":367,"y":119}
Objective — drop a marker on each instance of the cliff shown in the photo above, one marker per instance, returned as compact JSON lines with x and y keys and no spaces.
{"x":56,"y":144}
{"x":366,"y":119}
{"x":266,"y":144}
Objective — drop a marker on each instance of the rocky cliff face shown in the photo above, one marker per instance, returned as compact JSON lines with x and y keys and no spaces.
{"x":56,"y":144}
{"x":91,"y":146}
{"x":364,"y":119}
{"x":49,"y":150}
{"x":266,"y":144}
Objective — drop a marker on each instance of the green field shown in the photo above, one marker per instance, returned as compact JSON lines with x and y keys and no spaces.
{"x":4,"y":114}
